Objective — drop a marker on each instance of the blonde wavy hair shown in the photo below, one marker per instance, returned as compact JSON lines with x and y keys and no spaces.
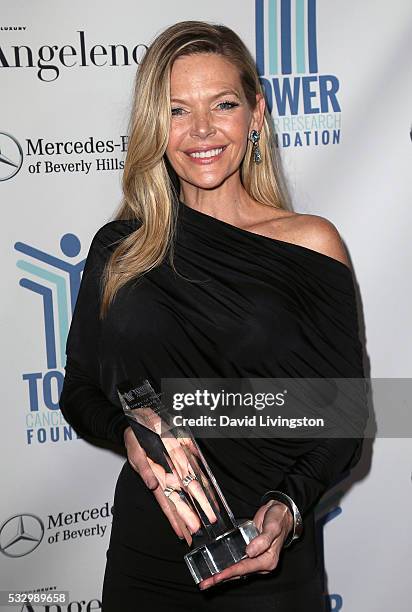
{"x":150,"y":186}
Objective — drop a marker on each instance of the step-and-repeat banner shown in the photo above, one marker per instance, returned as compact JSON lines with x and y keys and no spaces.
{"x":337,"y":78}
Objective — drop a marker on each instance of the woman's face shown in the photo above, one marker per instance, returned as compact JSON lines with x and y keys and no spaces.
{"x":210,"y":121}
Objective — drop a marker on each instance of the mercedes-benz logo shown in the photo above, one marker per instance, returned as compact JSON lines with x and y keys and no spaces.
{"x":11,"y":156}
{"x":20,"y":535}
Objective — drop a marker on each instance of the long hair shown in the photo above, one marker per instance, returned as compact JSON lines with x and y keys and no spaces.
{"x":150,"y":186}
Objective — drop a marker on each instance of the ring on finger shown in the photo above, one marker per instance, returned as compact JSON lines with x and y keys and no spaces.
{"x":188,"y":479}
{"x":168,"y":491}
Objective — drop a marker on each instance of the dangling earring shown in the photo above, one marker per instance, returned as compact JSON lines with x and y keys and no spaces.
{"x":254,"y":137}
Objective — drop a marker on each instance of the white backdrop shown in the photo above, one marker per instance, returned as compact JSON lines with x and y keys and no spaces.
{"x":361,"y":183}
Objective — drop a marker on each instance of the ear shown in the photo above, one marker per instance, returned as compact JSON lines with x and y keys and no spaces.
{"x":258,"y":114}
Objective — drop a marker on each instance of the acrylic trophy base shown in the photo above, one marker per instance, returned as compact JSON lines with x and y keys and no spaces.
{"x":229,"y":548}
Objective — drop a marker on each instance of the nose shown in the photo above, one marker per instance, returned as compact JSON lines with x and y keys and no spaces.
{"x":202,"y":124}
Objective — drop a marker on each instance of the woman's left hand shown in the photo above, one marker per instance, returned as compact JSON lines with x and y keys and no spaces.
{"x":274,"y":521}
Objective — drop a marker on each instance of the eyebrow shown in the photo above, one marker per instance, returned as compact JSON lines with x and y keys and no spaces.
{"x":225,"y":92}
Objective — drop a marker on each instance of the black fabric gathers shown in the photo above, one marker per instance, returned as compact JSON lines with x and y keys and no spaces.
{"x":264,"y":308}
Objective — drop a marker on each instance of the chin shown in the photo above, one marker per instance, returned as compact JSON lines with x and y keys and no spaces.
{"x":207,"y":182}
{"x":212,"y":184}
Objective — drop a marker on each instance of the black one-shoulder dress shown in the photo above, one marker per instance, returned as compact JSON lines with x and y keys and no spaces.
{"x":268,"y":308}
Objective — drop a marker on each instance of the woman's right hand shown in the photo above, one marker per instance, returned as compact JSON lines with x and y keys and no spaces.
{"x":139,"y":461}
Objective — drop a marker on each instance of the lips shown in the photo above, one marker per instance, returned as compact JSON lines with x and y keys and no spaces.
{"x":206,"y":154}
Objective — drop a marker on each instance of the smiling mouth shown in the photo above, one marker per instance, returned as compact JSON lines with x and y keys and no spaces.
{"x":207,"y":154}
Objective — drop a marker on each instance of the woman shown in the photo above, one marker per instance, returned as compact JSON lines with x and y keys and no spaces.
{"x":206,"y":272}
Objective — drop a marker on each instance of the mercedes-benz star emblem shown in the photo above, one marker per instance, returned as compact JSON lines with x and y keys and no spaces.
{"x":20,"y":535}
{"x":11,"y":156}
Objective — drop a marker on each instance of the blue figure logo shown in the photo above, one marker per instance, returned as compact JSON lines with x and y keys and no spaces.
{"x":57,"y":304}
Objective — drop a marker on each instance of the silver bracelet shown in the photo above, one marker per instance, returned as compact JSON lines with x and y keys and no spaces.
{"x":297,"y":518}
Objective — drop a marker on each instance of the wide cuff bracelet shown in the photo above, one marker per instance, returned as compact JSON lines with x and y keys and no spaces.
{"x":296,"y":532}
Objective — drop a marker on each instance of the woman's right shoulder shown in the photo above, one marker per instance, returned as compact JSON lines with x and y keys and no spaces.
{"x":105,"y":241}
{"x":109,"y":235}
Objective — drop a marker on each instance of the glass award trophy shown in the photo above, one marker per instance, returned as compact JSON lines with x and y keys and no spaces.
{"x":217,"y":541}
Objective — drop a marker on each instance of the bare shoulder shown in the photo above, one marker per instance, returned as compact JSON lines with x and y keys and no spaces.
{"x":319,"y":234}
{"x":311,"y":231}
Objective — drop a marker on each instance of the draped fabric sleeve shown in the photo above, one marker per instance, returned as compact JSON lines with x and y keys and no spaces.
{"x":83,"y":403}
{"x":331,"y":304}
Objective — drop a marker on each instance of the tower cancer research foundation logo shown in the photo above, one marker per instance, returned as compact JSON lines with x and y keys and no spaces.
{"x":55,"y":281}
{"x":11,"y":156}
{"x":303,"y":101}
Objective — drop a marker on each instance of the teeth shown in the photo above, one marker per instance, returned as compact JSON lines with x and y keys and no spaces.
{"x":205,"y":154}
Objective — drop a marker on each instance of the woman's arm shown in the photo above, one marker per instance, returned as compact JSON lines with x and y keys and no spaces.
{"x":319,"y":469}
{"x":329,"y":459}
{"x":87,"y":409}
{"x":82,"y":401}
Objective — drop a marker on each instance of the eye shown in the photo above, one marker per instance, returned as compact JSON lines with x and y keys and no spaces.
{"x":176,"y":112}
{"x":227,"y":105}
